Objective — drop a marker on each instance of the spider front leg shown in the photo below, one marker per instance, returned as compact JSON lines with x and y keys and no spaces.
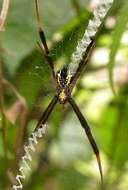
{"x":82,"y":64}
{"x":43,"y":45}
{"x":88,"y":133}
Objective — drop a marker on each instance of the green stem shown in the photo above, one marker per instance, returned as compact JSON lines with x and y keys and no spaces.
{"x":3,"y":124}
{"x":76,"y":6}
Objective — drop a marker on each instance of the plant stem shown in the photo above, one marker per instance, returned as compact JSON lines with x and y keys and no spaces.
{"x":3,"y":124}
{"x":14,"y":90}
{"x":4,"y":13}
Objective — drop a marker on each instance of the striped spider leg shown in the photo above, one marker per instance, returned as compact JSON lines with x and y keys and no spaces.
{"x":47,"y":112}
{"x":86,"y":127}
{"x":82,"y":64}
{"x":43,"y":45}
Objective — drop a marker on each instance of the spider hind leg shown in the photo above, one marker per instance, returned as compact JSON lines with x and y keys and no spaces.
{"x":88,"y":133}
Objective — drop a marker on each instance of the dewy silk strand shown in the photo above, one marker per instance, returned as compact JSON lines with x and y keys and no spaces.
{"x":93,"y":26}
{"x":27,"y":157}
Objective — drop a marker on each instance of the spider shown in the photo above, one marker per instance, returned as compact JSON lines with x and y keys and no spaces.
{"x":64,"y":85}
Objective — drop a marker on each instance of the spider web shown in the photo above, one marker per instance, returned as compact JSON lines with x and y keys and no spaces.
{"x":34,"y":71}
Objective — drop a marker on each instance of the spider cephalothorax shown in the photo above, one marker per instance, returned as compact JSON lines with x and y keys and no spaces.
{"x":63,"y":85}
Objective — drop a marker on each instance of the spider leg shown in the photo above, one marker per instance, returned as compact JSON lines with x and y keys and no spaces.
{"x":88,"y":133}
{"x":82,"y":64}
{"x":47,"y":112}
{"x":43,"y":45}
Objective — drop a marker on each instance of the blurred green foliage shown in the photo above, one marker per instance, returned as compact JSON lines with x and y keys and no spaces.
{"x":64,"y":158}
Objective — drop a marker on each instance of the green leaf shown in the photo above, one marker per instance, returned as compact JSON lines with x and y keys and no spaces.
{"x":117,"y":35}
{"x":21,"y":35}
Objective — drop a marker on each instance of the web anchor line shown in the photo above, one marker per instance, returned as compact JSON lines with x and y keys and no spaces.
{"x":27,"y":157}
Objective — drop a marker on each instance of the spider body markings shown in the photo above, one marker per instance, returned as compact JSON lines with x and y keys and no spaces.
{"x":65,"y":83}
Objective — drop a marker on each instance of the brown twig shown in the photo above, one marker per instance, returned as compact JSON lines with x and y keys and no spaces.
{"x":23,"y":121}
{"x":14,"y":90}
{"x":4,"y":13}
{"x":22,"y":118}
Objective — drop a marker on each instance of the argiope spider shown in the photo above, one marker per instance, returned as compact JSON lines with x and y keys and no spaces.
{"x":64,"y":86}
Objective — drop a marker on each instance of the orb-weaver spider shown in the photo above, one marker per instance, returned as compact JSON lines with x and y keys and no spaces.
{"x":64,"y":86}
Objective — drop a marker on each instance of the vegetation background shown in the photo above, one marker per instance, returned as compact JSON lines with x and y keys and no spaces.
{"x":64,"y":158}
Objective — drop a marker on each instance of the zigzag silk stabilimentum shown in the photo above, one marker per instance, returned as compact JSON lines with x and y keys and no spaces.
{"x":27,"y":158}
{"x":98,"y":16}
